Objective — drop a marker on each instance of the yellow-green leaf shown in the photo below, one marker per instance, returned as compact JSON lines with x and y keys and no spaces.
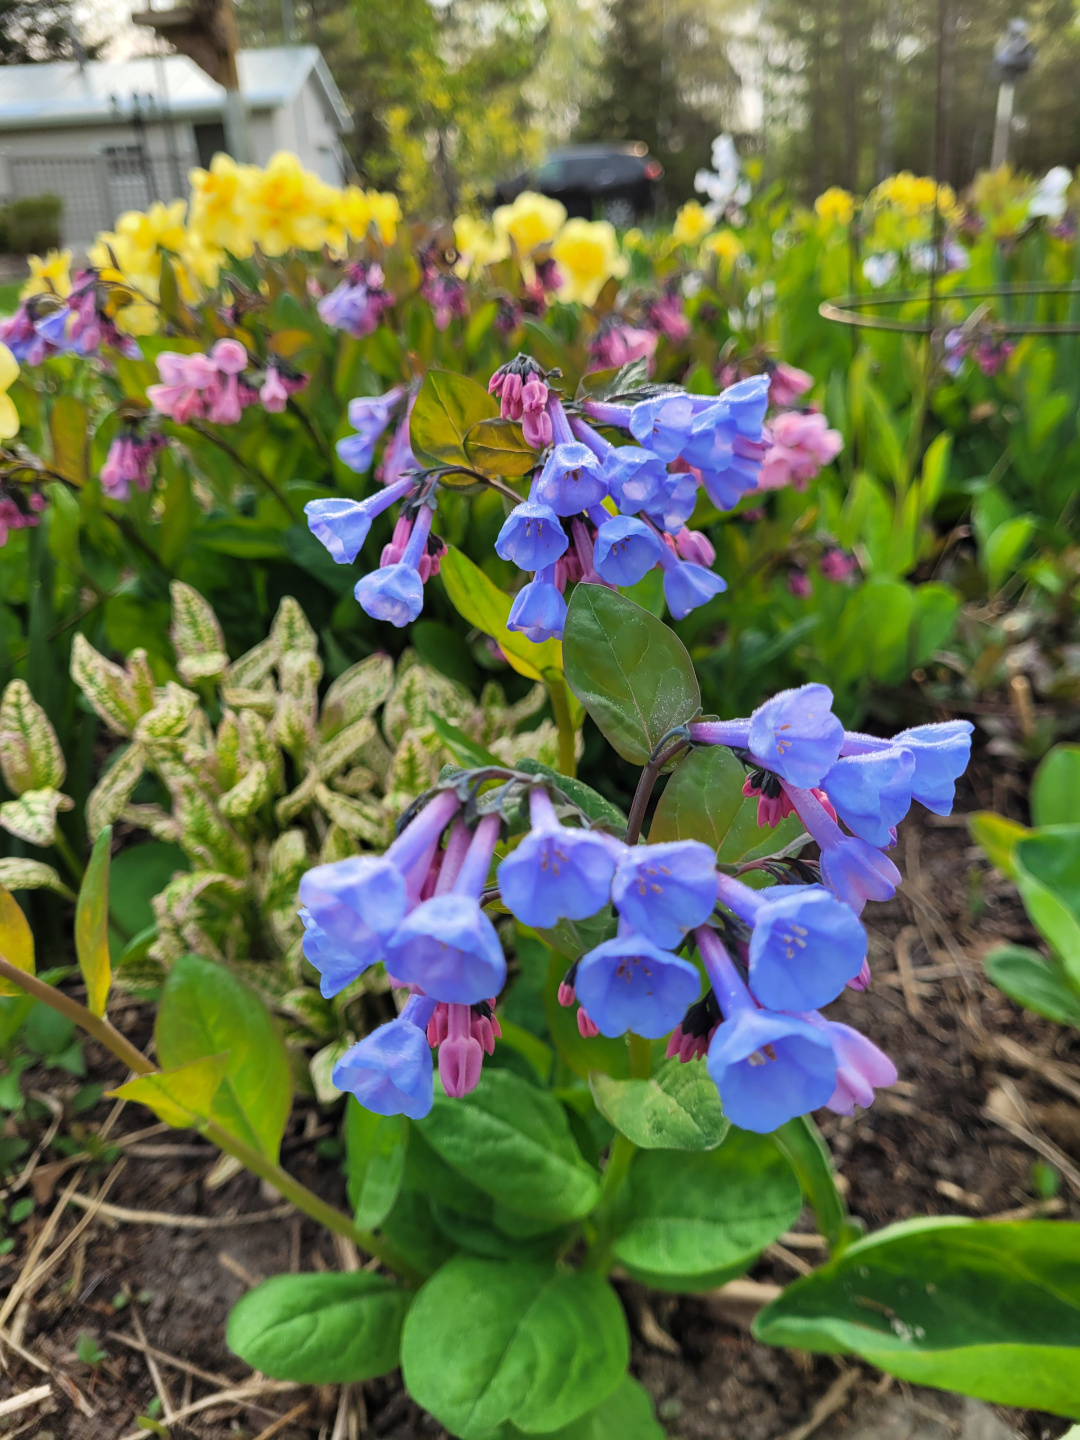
{"x":181,"y":1097}
{"x":16,"y":940}
{"x":481,"y":602}
{"x":500,"y":447}
{"x":998,"y":837}
{"x":92,"y":925}
{"x":67,"y":426}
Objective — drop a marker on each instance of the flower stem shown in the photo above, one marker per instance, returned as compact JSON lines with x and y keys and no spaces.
{"x":556,"y":688}
{"x":292,"y":1189}
{"x":646,"y":785}
{"x":620,"y":1158}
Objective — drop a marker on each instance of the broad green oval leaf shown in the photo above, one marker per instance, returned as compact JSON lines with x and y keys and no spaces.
{"x":626,"y":1414}
{"x":30,"y":754}
{"x":1047,"y":872}
{"x":991,"y":1309}
{"x":1034,"y":982}
{"x":500,"y":447}
{"x":16,"y":941}
{"x":513,"y":1141}
{"x":138,"y":873}
{"x":998,"y":836}
{"x":693,"y":1214}
{"x":374,"y":1162}
{"x":1055,"y":790}
{"x":447,"y":406}
{"x":67,"y":427}
{"x":92,"y":925}
{"x":677,"y":1108}
{"x":320,"y":1329}
{"x":206,"y":1010}
{"x":632,"y":673}
{"x":181,"y":1097}
{"x":480,"y":601}
{"x":703,"y":800}
{"x":488,"y":1341}
{"x":32,"y":875}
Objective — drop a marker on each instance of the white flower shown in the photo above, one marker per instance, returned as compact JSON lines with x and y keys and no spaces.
{"x":879,"y":269}
{"x":1048,"y":197}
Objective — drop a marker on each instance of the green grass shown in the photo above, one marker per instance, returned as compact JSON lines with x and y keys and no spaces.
{"x":9,"y":298}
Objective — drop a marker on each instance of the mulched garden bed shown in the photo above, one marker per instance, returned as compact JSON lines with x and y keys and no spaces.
{"x":131,"y":1317}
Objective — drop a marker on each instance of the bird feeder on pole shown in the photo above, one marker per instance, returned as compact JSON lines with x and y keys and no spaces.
{"x":1013,"y":58}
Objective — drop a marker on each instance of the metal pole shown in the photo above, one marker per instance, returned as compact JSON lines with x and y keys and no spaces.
{"x":1002,"y":124}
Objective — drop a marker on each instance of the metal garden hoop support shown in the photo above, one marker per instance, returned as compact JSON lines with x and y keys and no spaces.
{"x":847,"y":310}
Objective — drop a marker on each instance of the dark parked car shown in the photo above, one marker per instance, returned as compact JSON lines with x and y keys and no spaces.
{"x":619,"y":183}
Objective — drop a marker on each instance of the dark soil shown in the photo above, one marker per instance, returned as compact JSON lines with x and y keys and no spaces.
{"x":928,"y":1147}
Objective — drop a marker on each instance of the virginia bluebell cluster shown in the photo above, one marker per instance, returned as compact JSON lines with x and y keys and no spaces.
{"x":770,"y":959}
{"x":596,"y":512}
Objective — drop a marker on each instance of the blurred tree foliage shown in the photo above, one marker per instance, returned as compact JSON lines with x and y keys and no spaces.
{"x":435,"y":91}
{"x":850,"y":88}
{"x":32,"y":31}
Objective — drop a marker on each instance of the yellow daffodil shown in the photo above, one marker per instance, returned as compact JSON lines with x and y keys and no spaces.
{"x":281,"y":206}
{"x":9,"y":373}
{"x":355,"y":212}
{"x":915,"y":194}
{"x":385,"y":214}
{"x":216,"y":209}
{"x":726,"y":246}
{"x":478,"y":244}
{"x":531,"y":221}
{"x":48,"y":276}
{"x":633,"y":239}
{"x":835,"y":206}
{"x":159,"y":228}
{"x":691,"y":223}
{"x":587,"y":254}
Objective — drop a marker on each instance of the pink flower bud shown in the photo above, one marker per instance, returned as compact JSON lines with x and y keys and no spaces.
{"x":229,"y":356}
{"x":273,"y":395}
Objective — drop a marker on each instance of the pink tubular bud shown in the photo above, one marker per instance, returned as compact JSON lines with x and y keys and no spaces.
{"x":461,"y":1056}
{"x":566,"y":995}
{"x":587,"y":1029}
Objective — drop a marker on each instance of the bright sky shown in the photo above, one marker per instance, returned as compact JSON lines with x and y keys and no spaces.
{"x":111,"y":20}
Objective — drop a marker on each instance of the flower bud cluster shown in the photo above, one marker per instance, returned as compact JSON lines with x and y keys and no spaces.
{"x":218,"y":386}
{"x":357,"y":303}
{"x":81,"y":323}
{"x":129,"y":461}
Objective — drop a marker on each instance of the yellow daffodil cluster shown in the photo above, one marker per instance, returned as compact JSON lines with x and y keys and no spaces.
{"x":9,"y":373}
{"x":915,"y":194}
{"x":49,"y":275}
{"x":726,"y":246}
{"x":692,"y":223}
{"x":835,"y":206}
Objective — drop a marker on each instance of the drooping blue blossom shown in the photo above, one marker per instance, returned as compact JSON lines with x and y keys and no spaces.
{"x":338,"y":964}
{"x":532,"y":536}
{"x":664,"y":425}
{"x":805,"y":944}
{"x":941,"y":754}
{"x":539,"y":610}
{"x":369,"y":416}
{"x":674,"y":502}
{"x":572,"y":479}
{"x":687,"y":585}
{"x":390,"y":1071}
{"x":343,"y":525}
{"x":768,"y":1067}
{"x":796,"y":735}
{"x":447,"y":945}
{"x":664,"y":890}
{"x":635,"y":477}
{"x":396,"y":592}
{"x":631,"y":984}
{"x":852,"y":868}
{"x":871,"y":793}
{"x":625,"y":550}
{"x":861,"y":1067}
{"x":556,"y":872}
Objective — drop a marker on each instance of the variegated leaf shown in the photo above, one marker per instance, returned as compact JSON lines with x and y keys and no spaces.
{"x":257,"y":744}
{"x":262,"y":702}
{"x":299,"y":674}
{"x":357,"y":693}
{"x":171,"y":715}
{"x":32,"y":817}
{"x":413,"y":768}
{"x":540,"y":744}
{"x":253,"y":668}
{"x":141,"y":678}
{"x":291,"y":633}
{"x":30,"y":754}
{"x":160,"y":824}
{"x":322,"y":1068}
{"x":206,"y":836}
{"x":359,"y":818}
{"x":297,"y":800}
{"x":246,"y":795}
{"x":270,"y":982}
{"x":359,"y":780}
{"x":285,"y":863}
{"x":196,"y":634}
{"x":337,"y":845}
{"x":284,"y":925}
{"x":419,"y":691}
{"x":527,"y":706}
{"x":343,"y":748}
{"x":312,"y":1011}
{"x":294,"y":726}
{"x":32,"y":875}
{"x":108,"y":688}
{"x":227,"y":751}
{"x":109,"y":797}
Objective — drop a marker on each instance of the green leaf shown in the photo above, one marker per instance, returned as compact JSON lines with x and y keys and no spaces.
{"x":374,"y":1162}
{"x":488,"y":1341}
{"x":464,"y":749}
{"x":138,"y":874}
{"x":1047,"y":865}
{"x":997,"y":835}
{"x":583,"y":796}
{"x":206,"y":1010}
{"x":500,"y":447}
{"x":677,"y":1108}
{"x":181,"y":1097}
{"x":1034,"y":982}
{"x":16,"y":941}
{"x":991,"y":1309}
{"x":703,"y":800}
{"x":1003,"y":549}
{"x":480,"y":601}
{"x":320,"y":1329}
{"x":1055,"y":790}
{"x":803,"y":1146}
{"x":447,"y":406}
{"x":92,"y":925}
{"x":513,"y":1141}
{"x":626,"y":1414}
{"x":67,"y":427}
{"x":697,"y":1214}
{"x":632,"y":673}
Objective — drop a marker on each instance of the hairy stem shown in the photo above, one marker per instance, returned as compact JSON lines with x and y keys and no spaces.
{"x":292,"y":1189}
{"x":560,"y":708}
{"x":646,"y":785}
